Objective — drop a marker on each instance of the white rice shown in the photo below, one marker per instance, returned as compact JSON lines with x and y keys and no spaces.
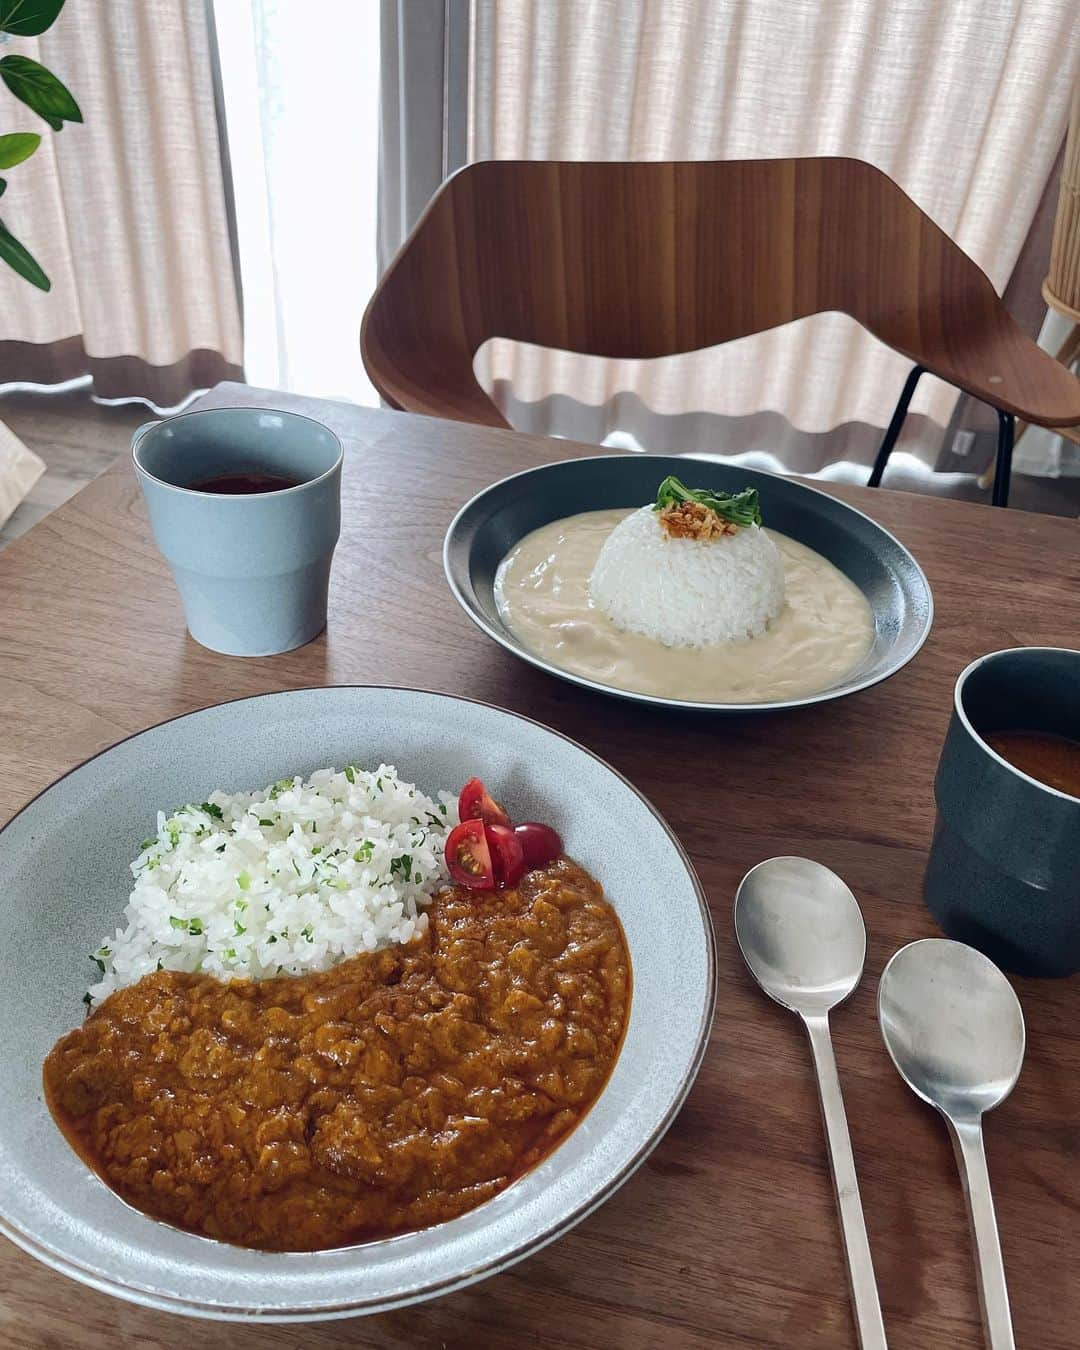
{"x":293,"y":878}
{"x":687,"y":592}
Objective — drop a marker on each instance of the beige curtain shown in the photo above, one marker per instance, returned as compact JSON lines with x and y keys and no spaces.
{"x":963,"y":103}
{"x":126,"y":212}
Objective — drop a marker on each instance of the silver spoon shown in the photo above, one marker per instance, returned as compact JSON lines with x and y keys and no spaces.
{"x":801,"y":933}
{"x":955,"y":1031}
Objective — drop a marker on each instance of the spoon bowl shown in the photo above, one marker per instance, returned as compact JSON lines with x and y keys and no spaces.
{"x":801,"y":932}
{"x":952,"y":1025}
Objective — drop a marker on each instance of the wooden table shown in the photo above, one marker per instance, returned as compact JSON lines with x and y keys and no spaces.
{"x":728,"y":1236}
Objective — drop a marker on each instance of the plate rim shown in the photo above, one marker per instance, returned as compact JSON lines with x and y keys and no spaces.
{"x":319,"y":1312}
{"x":523,"y":653}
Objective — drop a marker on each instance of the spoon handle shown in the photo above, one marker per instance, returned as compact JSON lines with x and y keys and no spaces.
{"x":860,"y":1265}
{"x":993,"y":1294}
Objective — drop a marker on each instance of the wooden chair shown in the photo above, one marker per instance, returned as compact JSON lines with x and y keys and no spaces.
{"x":652,"y":259}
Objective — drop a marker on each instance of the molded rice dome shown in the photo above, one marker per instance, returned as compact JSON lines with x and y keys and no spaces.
{"x":687,"y":592}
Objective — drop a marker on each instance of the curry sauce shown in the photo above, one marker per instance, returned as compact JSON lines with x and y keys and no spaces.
{"x":398,"y":1090}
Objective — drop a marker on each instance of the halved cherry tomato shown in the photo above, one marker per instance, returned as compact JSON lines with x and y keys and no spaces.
{"x":475,"y":804}
{"x":539,"y":843}
{"x":468,"y":856}
{"x":507,"y":854}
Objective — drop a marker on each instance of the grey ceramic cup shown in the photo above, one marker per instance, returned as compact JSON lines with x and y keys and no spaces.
{"x":252,"y":570}
{"x":1004,"y":868}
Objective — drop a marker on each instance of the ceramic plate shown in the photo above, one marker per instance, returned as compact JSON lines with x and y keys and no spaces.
{"x":489,"y":526}
{"x":64,"y":881}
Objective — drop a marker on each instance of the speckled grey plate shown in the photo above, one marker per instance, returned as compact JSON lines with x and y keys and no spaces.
{"x":488,"y":527}
{"x":63,"y":884}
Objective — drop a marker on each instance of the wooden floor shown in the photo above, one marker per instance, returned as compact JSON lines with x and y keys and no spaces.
{"x":78,"y":439}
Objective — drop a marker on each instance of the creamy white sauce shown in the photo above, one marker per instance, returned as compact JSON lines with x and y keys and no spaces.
{"x":542,"y":591}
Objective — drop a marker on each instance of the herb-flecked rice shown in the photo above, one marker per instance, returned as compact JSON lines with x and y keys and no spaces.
{"x":293,"y":878}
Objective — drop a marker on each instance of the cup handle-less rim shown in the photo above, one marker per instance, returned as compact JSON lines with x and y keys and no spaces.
{"x":141,"y":431}
{"x":965,"y":721}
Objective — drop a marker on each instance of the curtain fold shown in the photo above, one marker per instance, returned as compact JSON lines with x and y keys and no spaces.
{"x":963,"y":104}
{"x":126,"y":212}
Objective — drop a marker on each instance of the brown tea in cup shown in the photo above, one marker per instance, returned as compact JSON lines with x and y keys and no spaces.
{"x":1053,"y":760}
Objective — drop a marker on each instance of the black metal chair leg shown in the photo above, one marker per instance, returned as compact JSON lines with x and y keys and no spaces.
{"x":892,"y":432}
{"x":1003,"y":466}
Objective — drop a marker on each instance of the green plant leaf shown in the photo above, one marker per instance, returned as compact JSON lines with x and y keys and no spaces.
{"x":18,"y":146}
{"x":28,"y":18}
{"x":21,"y":259}
{"x":39,"y":89}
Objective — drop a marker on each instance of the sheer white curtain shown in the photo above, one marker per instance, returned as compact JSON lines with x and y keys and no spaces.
{"x":964,"y":104}
{"x":300,"y":80}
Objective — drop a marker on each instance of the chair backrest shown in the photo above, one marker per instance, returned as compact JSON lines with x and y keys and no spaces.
{"x":652,"y":259}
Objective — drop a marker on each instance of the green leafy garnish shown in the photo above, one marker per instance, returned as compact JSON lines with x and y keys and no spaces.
{"x":741,"y":508}
{"x":350,"y":773}
{"x":192,"y":926}
{"x":211,"y":809}
{"x":402,"y":865}
{"x":364,"y":852}
{"x":282,"y":785}
{"x":243,"y":881}
{"x":266,"y":822}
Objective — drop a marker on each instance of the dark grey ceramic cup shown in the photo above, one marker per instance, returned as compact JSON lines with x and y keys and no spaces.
{"x":1004,"y":868}
{"x":253,"y":570}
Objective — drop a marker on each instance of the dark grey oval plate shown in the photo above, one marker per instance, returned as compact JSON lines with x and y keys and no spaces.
{"x":64,"y":881}
{"x":488,"y":527}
